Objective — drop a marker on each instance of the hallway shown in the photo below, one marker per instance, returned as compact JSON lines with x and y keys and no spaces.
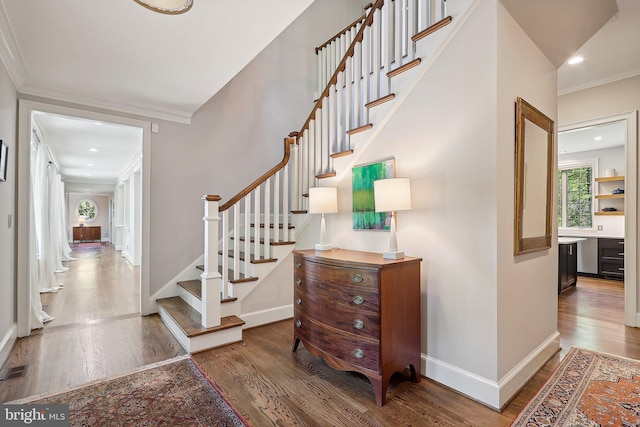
{"x":97,"y":332}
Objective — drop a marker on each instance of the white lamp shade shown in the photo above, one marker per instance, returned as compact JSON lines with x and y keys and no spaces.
{"x":167,"y":6}
{"x":392,"y":194}
{"x":323,"y":200}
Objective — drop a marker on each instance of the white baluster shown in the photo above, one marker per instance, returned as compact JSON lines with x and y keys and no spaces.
{"x":276,"y":207}
{"x":340,"y":130}
{"x":348,"y":107}
{"x":376,"y":64}
{"x":397,"y":33}
{"x":236,"y":241}
{"x":267,"y":214}
{"x":225,"y":250}
{"x":285,"y":204}
{"x":256,"y":219}
{"x":295,"y":180}
{"x":357,"y":82}
{"x":412,"y":28}
{"x":247,"y":235}
{"x":211,"y":279}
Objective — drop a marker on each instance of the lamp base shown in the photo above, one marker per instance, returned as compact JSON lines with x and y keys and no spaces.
{"x":323,"y":247}
{"x":393,"y":254}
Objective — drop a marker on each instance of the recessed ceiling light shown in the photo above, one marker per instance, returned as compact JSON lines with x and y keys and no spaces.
{"x":88,"y":174}
{"x":94,"y":150}
{"x":90,"y":165}
{"x":575,"y":60}
{"x":597,"y":138}
{"x":563,"y":152}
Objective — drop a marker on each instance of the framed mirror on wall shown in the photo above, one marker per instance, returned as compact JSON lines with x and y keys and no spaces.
{"x":534,"y":175}
{"x":86,"y":211}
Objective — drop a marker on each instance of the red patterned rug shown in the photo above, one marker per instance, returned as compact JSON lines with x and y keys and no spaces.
{"x":172,"y":394}
{"x":587,"y":389}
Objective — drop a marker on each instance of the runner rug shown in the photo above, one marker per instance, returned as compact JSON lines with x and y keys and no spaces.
{"x":587,"y":389}
{"x":171,"y":394}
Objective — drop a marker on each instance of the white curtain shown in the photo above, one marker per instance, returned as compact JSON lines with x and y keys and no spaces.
{"x":49,"y":240}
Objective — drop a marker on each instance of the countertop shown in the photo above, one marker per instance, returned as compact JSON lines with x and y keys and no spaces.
{"x":570,"y":240}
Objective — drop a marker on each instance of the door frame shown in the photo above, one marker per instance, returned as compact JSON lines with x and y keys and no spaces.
{"x":631,"y":316}
{"x":24,"y":251}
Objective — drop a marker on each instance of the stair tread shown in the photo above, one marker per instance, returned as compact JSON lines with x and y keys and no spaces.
{"x":190,"y":321}
{"x":194,"y":287}
{"x":290,"y":227}
{"x":326,"y":175}
{"x":360,"y":129}
{"x":401,"y":69}
{"x":231,"y":254}
{"x":271,"y":242}
{"x":341,"y":154}
{"x":241,"y":279}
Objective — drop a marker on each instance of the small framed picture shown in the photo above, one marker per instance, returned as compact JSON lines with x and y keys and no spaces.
{"x":4,"y":159}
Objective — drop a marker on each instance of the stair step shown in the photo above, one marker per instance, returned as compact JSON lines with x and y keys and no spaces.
{"x":432,"y":29}
{"x":194,"y":287}
{"x":299,"y":212}
{"x":401,"y":69}
{"x":326,"y":175}
{"x":241,"y":279}
{"x":379,"y":101}
{"x":290,"y":227}
{"x":271,"y":242}
{"x":341,"y":154}
{"x":260,"y":260}
{"x":359,"y":129}
{"x":190,"y":321}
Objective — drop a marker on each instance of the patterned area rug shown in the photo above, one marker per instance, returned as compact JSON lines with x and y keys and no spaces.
{"x":587,"y":389}
{"x":172,"y":394}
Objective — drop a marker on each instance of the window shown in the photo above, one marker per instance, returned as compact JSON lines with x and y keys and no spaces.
{"x":575,"y":195}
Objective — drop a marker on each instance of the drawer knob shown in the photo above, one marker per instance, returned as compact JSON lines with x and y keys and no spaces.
{"x":298,"y":265}
{"x":298,"y":282}
{"x":298,"y":301}
{"x":359,"y":354}
{"x":358,"y":324}
{"x":358,"y":299}
{"x":298,"y":323}
{"x":357,"y":278}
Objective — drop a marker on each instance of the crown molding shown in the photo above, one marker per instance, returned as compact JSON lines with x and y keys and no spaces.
{"x":603,"y":81}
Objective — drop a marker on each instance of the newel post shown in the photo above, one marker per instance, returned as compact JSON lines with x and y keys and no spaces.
{"x":211,"y":279}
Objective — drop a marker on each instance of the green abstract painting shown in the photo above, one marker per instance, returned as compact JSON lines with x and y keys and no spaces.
{"x":364,"y":215}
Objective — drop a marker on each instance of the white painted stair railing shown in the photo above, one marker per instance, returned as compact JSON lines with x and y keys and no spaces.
{"x":378,"y":47}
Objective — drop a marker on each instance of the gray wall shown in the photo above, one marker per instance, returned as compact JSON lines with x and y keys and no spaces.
{"x":8,"y":112}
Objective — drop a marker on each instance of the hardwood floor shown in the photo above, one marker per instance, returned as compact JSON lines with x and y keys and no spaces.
{"x":270,"y":385}
{"x":97,"y":332}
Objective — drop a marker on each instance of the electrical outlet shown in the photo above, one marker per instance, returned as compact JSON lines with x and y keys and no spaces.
{"x":599,"y":228}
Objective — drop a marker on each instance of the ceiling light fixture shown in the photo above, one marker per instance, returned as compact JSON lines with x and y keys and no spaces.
{"x":170,"y":7}
{"x":93,"y":150}
{"x":597,"y":138}
{"x":575,"y":60}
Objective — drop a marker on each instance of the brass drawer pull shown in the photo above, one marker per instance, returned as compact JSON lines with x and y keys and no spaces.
{"x":298,"y":301}
{"x":357,"y":278}
{"x":358,"y":299}
{"x":359,"y":354}
{"x":358,"y":324}
{"x":298,"y":323}
{"x":298,"y":265}
{"x":298,"y":282}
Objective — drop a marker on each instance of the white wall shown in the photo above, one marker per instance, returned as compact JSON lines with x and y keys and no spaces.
{"x":236,"y":136}
{"x":483,"y":311}
{"x":8,"y":113}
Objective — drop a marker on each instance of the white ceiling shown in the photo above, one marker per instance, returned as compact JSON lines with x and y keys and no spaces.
{"x":589,"y":138}
{"x":118,"y":55}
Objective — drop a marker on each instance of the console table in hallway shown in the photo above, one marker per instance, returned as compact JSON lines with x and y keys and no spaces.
{"x":87,"y":234}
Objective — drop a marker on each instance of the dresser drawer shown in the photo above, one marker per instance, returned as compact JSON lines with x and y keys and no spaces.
{"x":359,"y":322}
{"x":332,"y":275}
{"x":353,"y":349}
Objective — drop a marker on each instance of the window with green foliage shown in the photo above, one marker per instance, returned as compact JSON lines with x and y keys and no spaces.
{"x":575,"y":196}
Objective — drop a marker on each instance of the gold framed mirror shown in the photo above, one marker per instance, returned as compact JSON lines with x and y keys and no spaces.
{"x":534,"y":176}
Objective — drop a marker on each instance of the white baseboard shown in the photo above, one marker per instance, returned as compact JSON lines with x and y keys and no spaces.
{"x":493,"y":394}
{"x":7,"y":343}
{"x":264,"y":317}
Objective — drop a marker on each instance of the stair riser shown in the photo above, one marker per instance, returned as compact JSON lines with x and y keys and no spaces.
{"x":230,"y":308}
{"x":190,"y":299}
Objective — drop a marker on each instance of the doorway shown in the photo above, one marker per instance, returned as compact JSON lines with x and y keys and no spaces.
{"x":25,"y":250}
{"x":612,"y":212}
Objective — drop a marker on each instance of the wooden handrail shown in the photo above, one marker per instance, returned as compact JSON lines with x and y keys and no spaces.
{"x":263,"y":178}
{"x":341,"y":66}
{"x":344,"y":30}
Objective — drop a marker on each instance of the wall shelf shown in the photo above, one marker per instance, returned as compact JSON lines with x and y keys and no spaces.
{"x":610,"y":196}
{"x":613,"y":198}
{"x":610,"y":213}
{"x":610,"y":179}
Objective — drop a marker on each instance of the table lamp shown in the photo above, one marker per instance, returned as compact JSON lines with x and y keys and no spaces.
{"x":323,"y":200}
{"x":391,"y":195}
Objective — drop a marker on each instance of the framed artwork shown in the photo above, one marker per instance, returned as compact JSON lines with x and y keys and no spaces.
{"x":4,"y":159}
{"x":87,"y":210}
{"x":364,"y":215}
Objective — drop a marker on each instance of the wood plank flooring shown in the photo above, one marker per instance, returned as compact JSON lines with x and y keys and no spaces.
{"x":271,"y":386}
{"x":97,"y":332}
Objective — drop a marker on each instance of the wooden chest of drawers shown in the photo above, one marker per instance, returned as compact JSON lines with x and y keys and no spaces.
{"x":359,"y":312}
{"x":87,"y":233}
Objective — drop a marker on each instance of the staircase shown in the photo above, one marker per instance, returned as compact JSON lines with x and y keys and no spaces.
{"x":361,"y":71}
